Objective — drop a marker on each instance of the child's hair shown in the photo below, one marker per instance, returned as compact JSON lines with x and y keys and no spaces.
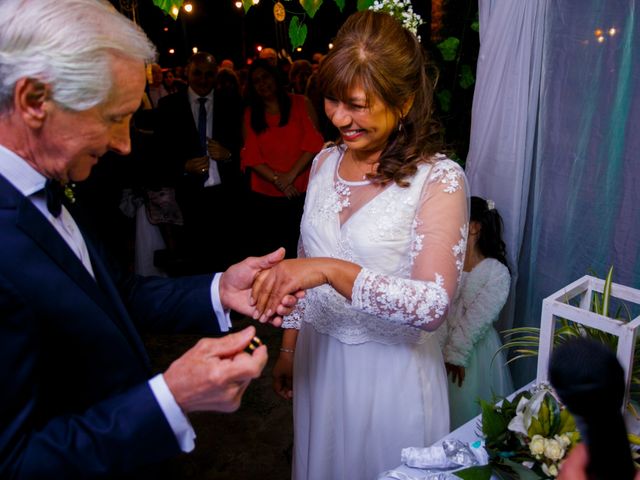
{"x":490,"y":239}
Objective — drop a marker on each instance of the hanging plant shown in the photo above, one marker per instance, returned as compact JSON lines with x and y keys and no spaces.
{"x":297,"y":32}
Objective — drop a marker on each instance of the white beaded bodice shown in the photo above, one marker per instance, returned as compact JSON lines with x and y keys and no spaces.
{"x":410,"y":265}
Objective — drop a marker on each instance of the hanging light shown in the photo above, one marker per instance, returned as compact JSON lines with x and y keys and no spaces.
{"x":188,"y":7}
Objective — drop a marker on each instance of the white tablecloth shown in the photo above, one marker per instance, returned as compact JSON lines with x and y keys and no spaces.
{"x":469,"y":432}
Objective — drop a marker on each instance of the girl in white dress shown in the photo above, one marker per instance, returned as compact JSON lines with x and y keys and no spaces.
{"x":382,"y":239}
{"x":470,"y":341}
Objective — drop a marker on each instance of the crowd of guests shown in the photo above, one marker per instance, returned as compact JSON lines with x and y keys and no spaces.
{"x":242,"y":157}
{"x":378,"y":224}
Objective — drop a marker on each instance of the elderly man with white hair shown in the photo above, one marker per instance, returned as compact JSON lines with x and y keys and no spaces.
{"x":78,"y":399}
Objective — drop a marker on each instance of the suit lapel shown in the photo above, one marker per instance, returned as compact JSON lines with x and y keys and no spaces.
{"x":31,"y":221}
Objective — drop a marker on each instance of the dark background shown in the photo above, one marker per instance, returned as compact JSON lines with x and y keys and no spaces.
{"x":218,"y":27}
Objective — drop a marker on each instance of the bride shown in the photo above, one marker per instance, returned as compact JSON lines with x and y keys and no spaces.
{"x":382,"y":241}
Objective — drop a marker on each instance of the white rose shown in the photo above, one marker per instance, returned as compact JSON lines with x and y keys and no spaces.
{"x":553,"y":450}
{"x":564,"y":440}
{"x":536,"y":447}
{"x":550,"y":470}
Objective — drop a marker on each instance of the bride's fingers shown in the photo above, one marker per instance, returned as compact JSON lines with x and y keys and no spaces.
{"x":263,"y":296}
{"x":257,"y":285}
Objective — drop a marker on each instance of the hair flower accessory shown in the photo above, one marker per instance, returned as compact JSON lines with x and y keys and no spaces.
{"x":401,"y":10}
{"x":491,"y":205}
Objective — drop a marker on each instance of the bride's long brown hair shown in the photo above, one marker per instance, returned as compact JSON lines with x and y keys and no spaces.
{"x":374,"y":52}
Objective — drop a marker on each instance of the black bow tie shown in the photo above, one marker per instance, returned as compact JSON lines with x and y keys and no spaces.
{"x":56,"y":196}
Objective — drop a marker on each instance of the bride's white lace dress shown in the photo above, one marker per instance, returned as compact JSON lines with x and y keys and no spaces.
{"x":369,"y":379}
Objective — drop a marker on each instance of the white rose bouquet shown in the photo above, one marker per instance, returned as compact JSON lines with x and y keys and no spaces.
{"x":526,"y":438}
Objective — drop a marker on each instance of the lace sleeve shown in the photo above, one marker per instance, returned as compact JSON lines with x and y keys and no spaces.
{"x":439,"y":236}
{"x":294,"y":319}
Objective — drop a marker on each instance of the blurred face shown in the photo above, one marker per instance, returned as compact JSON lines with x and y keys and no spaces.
{"x":364,"y":127}
{"x":300,"y":79}
{"x":69,"y":143}
{"x":270,"y":55}
{"x":156,"y":74}
{"x":264,"y":83}
{"x":202,"y":77}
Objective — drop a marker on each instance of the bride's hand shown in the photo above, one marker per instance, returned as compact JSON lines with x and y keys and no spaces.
{"x":289,"y":277}
{"x":283,"y":375}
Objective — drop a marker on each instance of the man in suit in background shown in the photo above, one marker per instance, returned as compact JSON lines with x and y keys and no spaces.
{"x":77,"y":398}
{"x":198,"y":136}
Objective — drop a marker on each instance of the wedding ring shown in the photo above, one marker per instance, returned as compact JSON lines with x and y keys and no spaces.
{"x":253,"y":344}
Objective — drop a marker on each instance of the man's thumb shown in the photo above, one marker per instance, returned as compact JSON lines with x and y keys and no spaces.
{"x":234,"y":342}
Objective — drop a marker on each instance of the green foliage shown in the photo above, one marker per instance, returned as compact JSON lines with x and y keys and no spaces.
{"x":311,"y":7}
{"x":364,"y":4}
{"x":167,"y":6}
{"x":466,"y":77}
{"x":297,"y":32}
{"x":523,"y":341}
{"x":449,"y":48}
{"x":340,"y":4}
{"x":475,"y":473}
{"x":444,"y":100}
{"x":247,"y":4}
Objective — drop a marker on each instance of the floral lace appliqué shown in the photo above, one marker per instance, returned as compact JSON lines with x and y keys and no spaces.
{"x":411,"y":302}
{"x":343,"y":192}
{"x":448,"y":173}
{"x":460,"y":248}
{"x":416,"y":241}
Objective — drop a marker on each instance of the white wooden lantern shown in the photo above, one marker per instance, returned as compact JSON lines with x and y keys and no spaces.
{"x":557,"y":305}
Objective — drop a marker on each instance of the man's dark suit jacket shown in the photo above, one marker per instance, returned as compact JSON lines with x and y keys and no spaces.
{"x":177,"y":139}
{"x":75,"y":402}
{"x":207,"y":211}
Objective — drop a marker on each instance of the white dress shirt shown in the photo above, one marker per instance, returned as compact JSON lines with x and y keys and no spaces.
{"x":31,"y":183}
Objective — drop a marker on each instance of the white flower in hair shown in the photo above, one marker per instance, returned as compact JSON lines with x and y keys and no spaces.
{"x":491,"y":205}
{"x":401,"y":10}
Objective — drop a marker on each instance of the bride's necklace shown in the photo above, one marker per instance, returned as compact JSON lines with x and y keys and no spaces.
{"x":360,"y":169}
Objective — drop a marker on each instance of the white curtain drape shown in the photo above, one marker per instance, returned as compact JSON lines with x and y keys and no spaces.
{"x":505,"y":107}
{"x":555,"y":141}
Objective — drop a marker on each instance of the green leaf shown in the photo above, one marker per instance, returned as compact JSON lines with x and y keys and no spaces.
{"x":247,"y":4}
{"x":475,"y":473}
{"x":297,"y":32}
{"x":475,"y":26}
{"x":567,"y":422}
{"x":449,"y":48}
{"x":494,"y":423}
{"x":522,"y":472}
{"x":311,"y":7}
{"x":340,"y":4}
{"x":444,"y":99}
{"x":364,"y":4}
{"x":466,"y":77}
{"x":168,"y":6}
{"x":606,"y":294}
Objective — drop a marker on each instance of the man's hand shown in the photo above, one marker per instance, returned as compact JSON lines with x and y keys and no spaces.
{"x":213,"y":375}
{"x":287,"y":277}
{"x":197,"y":165}
{"x":236,"y":283}
{"x":217,"y":151}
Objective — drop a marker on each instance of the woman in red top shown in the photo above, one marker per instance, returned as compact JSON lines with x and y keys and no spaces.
{"x":281,"y":138}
